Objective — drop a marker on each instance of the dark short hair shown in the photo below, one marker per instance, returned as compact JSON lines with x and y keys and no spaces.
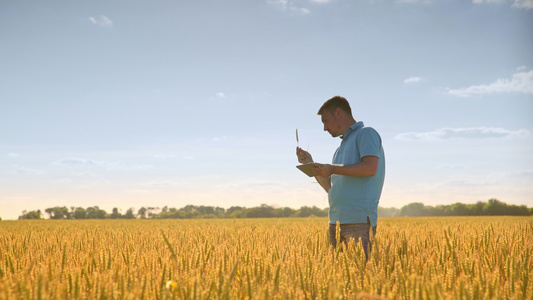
{"x":334,"y":103}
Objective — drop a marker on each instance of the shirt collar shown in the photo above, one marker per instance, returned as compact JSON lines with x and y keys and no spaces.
{"x":353,"y":128}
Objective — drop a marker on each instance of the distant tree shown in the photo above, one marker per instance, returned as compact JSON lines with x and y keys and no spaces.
{"x":129,"y":214}
{"x":219,"y":211}
{"x":413,"y":209}
{"x":50,"y":213}
{"x":477,"y":209}
{"x":320,"y":212}
{"x":141,"y":213}
{"x":173,"y":213}
{"x":153,"y":212}
{"x":80,"y":213}
{"x":263,"y":211}
{"x":241,"y":213}
{"x":231,"y":210}
{"x":205,"y":210}
{"x":115,"y":214}
{"x":388,"y":211}
{"x":190,"y":211}
{"x":286,"y":212}
{"x":516,"y":210}
{"x":494,"y":207}
{"x":96,"y":213}
{"x":439,"y":210}
{"x":306,"y":211}
{"x":460,"y":209}
{"x":35,"y":215}
{"x":58,"y":212}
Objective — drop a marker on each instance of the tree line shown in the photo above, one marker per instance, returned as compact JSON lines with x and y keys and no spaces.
{"x":490,"y":208}
{"x":187,"y":212}
{"x":493,"y":207}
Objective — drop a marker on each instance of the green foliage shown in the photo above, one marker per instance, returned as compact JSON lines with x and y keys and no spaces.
{"x":413,"y":209}
{"x":80,"y":213}
{"x":58,"y":212}
{"x":388,"y":211}
{"x":115,"y":214}
{"x":491,"y":208}
{"x":96,"y":213}
{"x":129,"y":214}
{"x":32,"y":215}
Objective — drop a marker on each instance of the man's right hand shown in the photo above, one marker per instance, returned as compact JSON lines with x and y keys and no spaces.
{"x":304,"y":157}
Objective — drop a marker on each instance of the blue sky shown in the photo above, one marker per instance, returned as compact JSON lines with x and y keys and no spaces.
{"x":168,"y":103}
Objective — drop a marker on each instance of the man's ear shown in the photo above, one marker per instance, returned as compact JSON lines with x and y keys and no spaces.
{"x":338,"y":112}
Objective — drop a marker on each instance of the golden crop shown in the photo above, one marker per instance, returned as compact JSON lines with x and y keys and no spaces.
{"x":412,"y":258}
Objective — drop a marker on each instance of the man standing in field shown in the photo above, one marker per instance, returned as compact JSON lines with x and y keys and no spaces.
{"x":355,"y":179}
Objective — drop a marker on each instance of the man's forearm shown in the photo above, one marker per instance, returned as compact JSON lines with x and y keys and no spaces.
{"x":366,"y":168}
{"x":355,"y":170}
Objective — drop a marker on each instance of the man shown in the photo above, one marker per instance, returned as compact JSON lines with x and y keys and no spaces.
{"x":355,"y":179}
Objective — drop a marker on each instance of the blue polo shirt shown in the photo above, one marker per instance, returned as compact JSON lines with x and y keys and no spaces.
{"x":353,"y":199}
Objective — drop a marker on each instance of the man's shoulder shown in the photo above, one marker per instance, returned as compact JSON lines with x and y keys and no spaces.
{"x":368,"y":131}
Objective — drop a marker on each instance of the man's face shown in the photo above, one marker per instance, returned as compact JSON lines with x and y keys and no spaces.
{"x":331,"y":123}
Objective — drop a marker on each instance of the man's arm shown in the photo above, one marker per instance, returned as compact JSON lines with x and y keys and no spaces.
{"x":366,"y":168}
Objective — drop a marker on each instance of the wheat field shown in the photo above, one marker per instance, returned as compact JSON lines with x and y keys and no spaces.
{"x":412,"y":258}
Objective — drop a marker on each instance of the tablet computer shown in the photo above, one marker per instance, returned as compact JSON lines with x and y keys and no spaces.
{"x":308,"y":169}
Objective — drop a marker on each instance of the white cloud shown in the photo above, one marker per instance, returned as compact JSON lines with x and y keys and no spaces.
{"x":281,"y":3}
{"x":101,"y":21}
{"x":412,"y":80}
{"x":321,"y":1}
{"x":82,"y":162}
{"x":303,"y":11}
{"x":13,"y":155}
{"x":164,"y":155}
{"x":521,"y":82}
{"x":220,"y":95}
{"x":521,"y":68}
{"x":172,"y":156}
{"x":487,"y":1}
{"x":415,"y":1}
{"x":291,"y":8}
{"x":527,"y":4}
{"x":462,"y":133}
{"x":77,"y":162}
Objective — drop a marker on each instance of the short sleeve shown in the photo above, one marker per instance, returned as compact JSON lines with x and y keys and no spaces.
{"x":369,"y":142}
